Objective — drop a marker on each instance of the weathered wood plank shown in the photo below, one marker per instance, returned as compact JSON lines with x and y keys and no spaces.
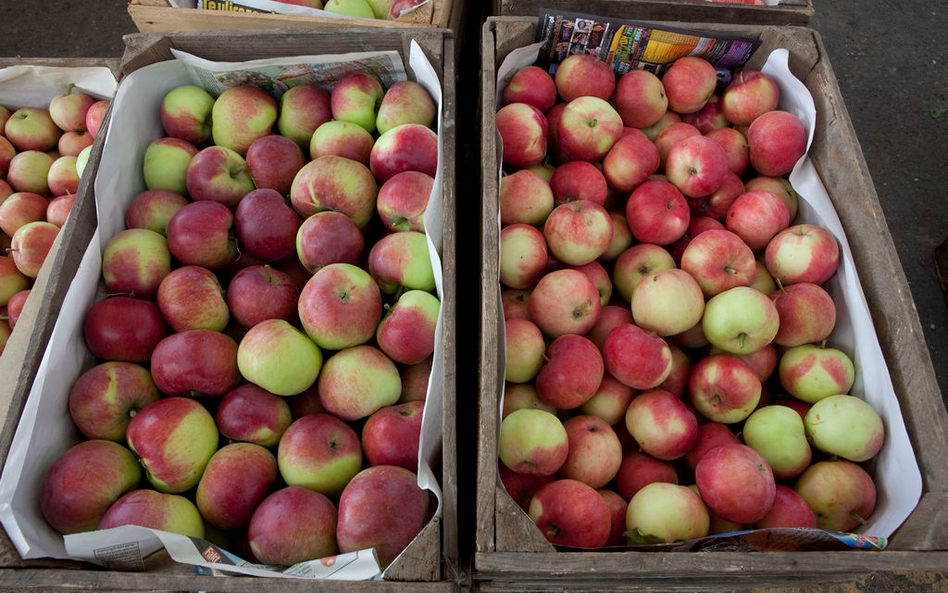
{"x":789,"y":12}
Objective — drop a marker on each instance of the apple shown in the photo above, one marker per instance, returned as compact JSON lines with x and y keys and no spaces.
{"x":319,"y":452}
{"x":570,"y":513}
{"x":667,"y":119}
{"x":637,"y":263}
{"x":266,"y":226}
{"x":12,"y":282}
{"x":365,"y":519}
{"x":657,"y":213}
{"x":29,"y":172}
{"x":740,"y":320}
{"x":600,"y":278}
{"x":578,"y":180}
{"x":523,"y":255}
{"x":565,"y":302}
{"x":234,"y":484}
{"x":708,"y":118}
{"x":153,"y":209}
{"x":31,"y":129}
{"x":253,"y":415}
{"x":661,"y":424}
{"x":191,"y":297}
{"x":525,"y":198}
{"x":407,"y":332}
{"x":665,"y":513}
{"x":756,"y":217}
{"x":807,"y":314}
{"x":356,"y":97}
{"x":7,"y":152}
{"x":777,"y":140}
{"x":415,"y":381}
{"x":577,"y":233}
{"x":343,"y":139}
{"x":340,"y":307}
{"x":84,"y":482}
{"x":639,"y":470}
{"x":525,"y":350}
{"x":135,"y":262}
{"x":610,"y":401}
{"x":636,"y":358}
{"x":763,"y":361}
{"x":408,"y":147}
{"x":724,"y":388}
{"x":62,"y":177}
{"x":195,"y":363}
{"x":155,"y":510}
{"x":697,"y":225}
{"x":523,"y":130}
{"x":357,"y":382}
{"x":174,"y":437}
{"x":640,"y":99}
{"x":554,"y":119}
{"x":31,"y":245}
{"x":736,"y":483}
{"x":58,"y":209}
{"x":667,"y":303}
{"x":293,"y":525}
{"x":677,"y":381}
{"x":696,"y":166}
{"x":763,"y":281}
{"x":595,"y":453}
{"x":123,"y":329}
{"x":780,"y":187}
{"x":104,"y":399}
{"x":710,"y":435}
{"x":273,"y":162}
{"x":689,"y":84}
{"x":335,"y":183}
{"x":305,"y":404}
{"x":516,"y":303}
{"x":407,"y":102}
{"x":750,"y":95}
{"x":802,"y":253}
{"x":258,"y":293}
{"x":186,"y":114}
{"x":630,"y":162}
{"x":798,"y":406}
{"x":521,"y":396}
{"x":845,"y":426}
{"x":588,"y":128}
{"x":533,"y":442}
{"x":95,"y":116}
{"x":719,"y":261}
{"x":241,"y":115}
{"x":533,"y":86}
{"x":735,"y":148}
{"x":68,"y":111}
{"x":20,"y":209}
{"x":811,"y":373}
{"x":200,"y":234}
{"x":840,"y":492}
{"x":617,"y":509}
{"x":218,"y":174}
{"x":303,"y":109}
{"x":391,"y":436}
{"x":582,"y":75}
{"x":777,"y":433}
{"x":790,"y":511}
{"x":572,"y":373}
{"x":522,"y":487}
{"x":278,"y":357}
{"x":166,"y":165}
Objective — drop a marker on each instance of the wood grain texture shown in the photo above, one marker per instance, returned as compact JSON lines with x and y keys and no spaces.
{"x":789,"y":12}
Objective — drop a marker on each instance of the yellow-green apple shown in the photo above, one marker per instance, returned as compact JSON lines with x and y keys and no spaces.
{"x":657,"y":213}
{"x":105,"y":398}
{"x":253,"y":415}
{"x":523,"y":130}
{"x":661,"y":424}
{"x":724,"y":388}
{"x":802,"y":253}
{"x":278,"y":357}
{"x":689,"y":84}
{"x":750,"y":95}
{"x":319,"y":452}
{"x":621,"y":238}
{"x":12,"y":281}
{"x":365,"y":518}
{"x":811,"y":373}
{"x":217,"y":174}
{"x":234,"y":483}
{"x":408,"y":147}
{"x":328,"y":238}
{"x":407,"y":332}
{"x":667,"y":303}
{"x":241,"y":115}
{"x":174,"y":439}
{"x":408,"y":102}
{"x":68,"y":110}
{"x":201,"y":234}
{"x":522,"y":487}
{"x":790,"y":511}
{"x":756,"y":217}
{"x":533,"y":442}
{"x":671,"y":136}
{"x":697,"y":225}
{"x":807,"y":314}
{"x":31,"y":129}
{"x":840,"y":492}
{"x":780,"y":187}
{"x":356,"y":97}
{"x":740,"y":320}
{"x":600,"y":278}
{"x":7,"y":152}
{"x":582,"y":75}
{"x":31,"y":244}
{"x":777,"y":140}
{"x":637,"y":263}
{"x":95,"y":116}
{"x":357,"y":382}
{"x":763,"y":281}
{"x":521,"y":396}
{"x":572,"y":373}
{"x":667,"y":119}
{"x":124,"y":329}
{"x":58,"y":209}
{"x":639,"y":470}
{"x":273,"y":162}
{"x":578,"y":180}
{"x":302,"y":110}
{"x":570,"y":513}
{"x":152,"y":209}
{"x":135,"y":262}
{"x":777,"y":433}
{"x":636,"y":358}
{"x":266,"y":225}
{"x":62,"y":178}
{"x":629,"y":163}
{"x":565,"y":302}
{"x":415,"y":381}
{"x":191,"y":297}
{"x":195,"y":363}
{"x":523,"y":255}
{"x":391,"y":435}
{"x":719,"y":261}
{"x":554,"y":147}
{"x":166,"y":165}
{"x":710,"y":435}
{"x":84,"y":482}
{"x":610,"y":401}
{"x":154,"y":510}
{"x":533,"y":86}
{"x":403,"y":199}
{"x":83,"y":159}
{"x":696,"y":166}
{"x":665,"y":513}
{"x":677,"y":381}
{"x":516,"y":303}
{"x":258,"y":293}
{"x":525,"y":198}
{"x":736,"y":483}
{"x":708,"y":118}
{"x":640,"y":99}
{"x":595,"y":453}
{"x":29,"y":172}
{"x":588,"y":128}
{"x":293,"y":525}
{"x":577,"y":233}
{"x":342,"y":138}
{"x":735,"y":148}
{"x":186,"y":114}
{"x":845,"y":426}
{"x":340,"y":307}
{"x":19,"y":209}
{"x":335,"y":183}
{"x":402,"y":260}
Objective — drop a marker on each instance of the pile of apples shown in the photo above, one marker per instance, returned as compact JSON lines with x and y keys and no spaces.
{"x":243,"y":408}
{"x":365,"y":9}
{"x":42,"y":155}
{"x":653,"y":284}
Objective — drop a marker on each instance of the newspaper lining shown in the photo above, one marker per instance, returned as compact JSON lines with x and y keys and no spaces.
{"x":271,"y":7}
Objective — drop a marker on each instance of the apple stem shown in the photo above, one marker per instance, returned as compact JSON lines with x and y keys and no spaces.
{"x":856,"y":515}
{"x":69,"y":88}
{"x":780,"y":285}
{"x":545,"y":358}
{"x":4,"y":318}
{"x":115,"y":294}
{"x":10,"y":250}
{"x":399,"y":292}
{"x":823,"y":344}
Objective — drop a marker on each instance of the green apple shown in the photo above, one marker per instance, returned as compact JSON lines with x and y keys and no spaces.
{"x":82,"y":160}
{"x":381,"y":8}
{"x":776,"y":432}
{"x":844,"y":426}
{"x":356,"y":8}
{"x":533,"y":442}
{"x":811,"y":373}
{"x":166,"y":164}
{"x":278,"y":357}
{"x":665,"y":513}
{"x":740,"y":320}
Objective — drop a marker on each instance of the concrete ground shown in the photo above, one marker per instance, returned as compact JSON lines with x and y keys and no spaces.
{"x":890,"y":57}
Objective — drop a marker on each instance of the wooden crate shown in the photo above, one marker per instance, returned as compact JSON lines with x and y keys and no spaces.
{"x":512,"y":553}
{"x":787,"y":12}
{"x":430,"y":563}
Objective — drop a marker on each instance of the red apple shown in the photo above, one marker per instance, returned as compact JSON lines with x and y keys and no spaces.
{"x":570,"y":513}
{"x":58,"y":209}
{"x":639,"y":470}
{"x":319,"y":452}
{"x":29,"y":172}
{"x":636,"y":358}
{"x":657,"y":213}
{"x":777,"y":141}
{"x":750,"y":95}
{"x":582,"y":75}
{"x":708,"y":118}
{"x":403,"y":199}
{"x":340,"y":307}
{"x":565,"y":302}
{"x":667,"y":119}
{"x":525,"y":198}
{"x":30,"y":128}
{"x":62,"y":177}
{"x":522,"y":487}
{"x":258,"y":293}
{"x":595,"y":453}
{"x":186,"y":114}
{"x":407,"y":102}
{"x":408,"y":147}
{"x":234,"y":484}
{"x":153,"y":210}
{"x":273,"y":162}
{"x":123,"y":329}
{"x":756,"y":217}
{"x":357,"y":382}
{"x":266,"y":226}
{"x":735,"y":148}
{"x":640,"y":99}
{"x":840,"y":492}
{"x":196,"y":362}
{"x":200,"y":234}
{"x":342,"y":138}
{"x":718,"y":260}
{"x":293,"y":525}
{"x":635,"y":264}
{"x":391,"y":436}
{"x":588,"y":128}
{"x":630,"y":161}
{"x":15,"y":303}
{"x":807,"y":314}
{"x":710,"y":435}
{"x":95,"y":116}
{"x":610,"y":317}
{"x":19,"y":209}
{"x":533,"y":86}
{"x":724,"y":388}
{"x":31,"y":245}
{"x":407,"y":332}
{"x":677,"y":381}
{"x":572,"y":374}
{"x":241,"y":115}
{"x":736,"y":483}
{"x":802,"y":253}
{"x":107,"y":396}
{"x":335,"y":183}
{"x":253,"y":415}
{"x":523,"y":255}
{"x":135,"y":262}
{"x":578,"y":180}
{"x":523,"y":130}
{"x":303,"y":109}
{"x":789,"y":511}
{"x":689,"y":84}
{"x":667,"y":303}
{"x":696,"y":166}
{"x":780,"y":187}
{"x":577,"y":233}
{"x":661,"y":424}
